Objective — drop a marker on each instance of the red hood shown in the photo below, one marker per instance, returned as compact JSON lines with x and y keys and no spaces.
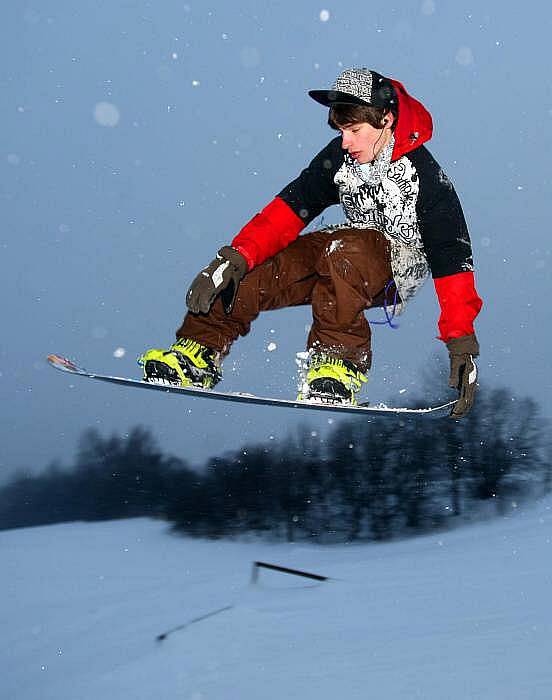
{"x":414,"y":125}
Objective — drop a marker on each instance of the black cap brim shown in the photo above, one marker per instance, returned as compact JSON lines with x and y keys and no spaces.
{"x":335,"y":97}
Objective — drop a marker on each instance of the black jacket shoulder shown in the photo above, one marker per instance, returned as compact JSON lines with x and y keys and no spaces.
{"x":314,"y":189}
{"x":440,"y":217}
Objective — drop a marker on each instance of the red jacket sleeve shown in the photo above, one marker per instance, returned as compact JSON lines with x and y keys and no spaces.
{"x":268,"y":232}
{"x":459,"y":304}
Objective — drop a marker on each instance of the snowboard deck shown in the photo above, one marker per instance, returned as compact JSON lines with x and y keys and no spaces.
{"x":65,"y":365}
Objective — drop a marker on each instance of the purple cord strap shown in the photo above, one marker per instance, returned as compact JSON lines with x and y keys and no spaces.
{"x":388,"y":316}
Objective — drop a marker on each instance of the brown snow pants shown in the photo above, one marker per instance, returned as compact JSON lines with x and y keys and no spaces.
{"x":340,"y":273}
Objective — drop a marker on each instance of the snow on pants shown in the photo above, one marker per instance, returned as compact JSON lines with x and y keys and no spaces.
{"x":340,"y":273}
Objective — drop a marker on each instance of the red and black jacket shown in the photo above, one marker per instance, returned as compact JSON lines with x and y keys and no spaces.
{"x":440,"y":218}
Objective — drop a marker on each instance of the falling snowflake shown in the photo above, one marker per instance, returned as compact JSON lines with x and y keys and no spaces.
{"x":324,"y":15}
{"x":428,"y":7}
{"x":106,"y":114}
{"x":464,"y":56}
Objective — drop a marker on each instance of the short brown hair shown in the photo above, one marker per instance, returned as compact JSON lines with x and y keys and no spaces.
{"x":343,"y":114}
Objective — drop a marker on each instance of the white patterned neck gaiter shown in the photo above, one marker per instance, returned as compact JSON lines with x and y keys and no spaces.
{"x":373,"y":173}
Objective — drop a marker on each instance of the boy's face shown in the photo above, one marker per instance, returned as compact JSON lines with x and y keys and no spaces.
{"x":363,"y":141}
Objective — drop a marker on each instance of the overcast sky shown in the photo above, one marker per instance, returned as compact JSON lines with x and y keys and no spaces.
{"x":138,"y":137}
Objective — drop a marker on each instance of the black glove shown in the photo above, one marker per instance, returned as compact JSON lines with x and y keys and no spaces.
{"x":222,"y":276}
{"x":463,"y":372}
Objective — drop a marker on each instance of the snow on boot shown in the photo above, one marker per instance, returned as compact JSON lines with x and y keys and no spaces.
{"x":185,"y":363}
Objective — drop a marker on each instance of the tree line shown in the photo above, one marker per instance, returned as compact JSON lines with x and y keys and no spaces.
{"x":369,"y":479}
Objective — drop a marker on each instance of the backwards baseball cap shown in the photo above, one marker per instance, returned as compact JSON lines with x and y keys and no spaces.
{"x":358,"y":86}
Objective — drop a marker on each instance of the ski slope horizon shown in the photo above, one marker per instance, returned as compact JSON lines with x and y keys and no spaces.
{"x":458,"y":614}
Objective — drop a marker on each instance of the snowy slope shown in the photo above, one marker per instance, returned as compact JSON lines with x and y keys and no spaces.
{"x":465,"y":614}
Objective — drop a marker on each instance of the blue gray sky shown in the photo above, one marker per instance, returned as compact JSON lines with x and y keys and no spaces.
{"x":137,"y":138}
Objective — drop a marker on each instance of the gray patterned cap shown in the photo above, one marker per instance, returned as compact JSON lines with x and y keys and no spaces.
{"x":358,"y":86}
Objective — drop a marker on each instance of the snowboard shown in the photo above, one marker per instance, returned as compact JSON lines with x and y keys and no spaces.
{"x":65,"y":365}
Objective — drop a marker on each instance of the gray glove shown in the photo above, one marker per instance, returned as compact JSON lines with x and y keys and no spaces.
{"x":463,"y":372}
{"x":222,"y":276}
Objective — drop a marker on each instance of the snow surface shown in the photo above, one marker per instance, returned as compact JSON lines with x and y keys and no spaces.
{"x":462,"y":614}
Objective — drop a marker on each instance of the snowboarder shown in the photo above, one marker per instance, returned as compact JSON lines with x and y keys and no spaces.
{"x":403,"y":221}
